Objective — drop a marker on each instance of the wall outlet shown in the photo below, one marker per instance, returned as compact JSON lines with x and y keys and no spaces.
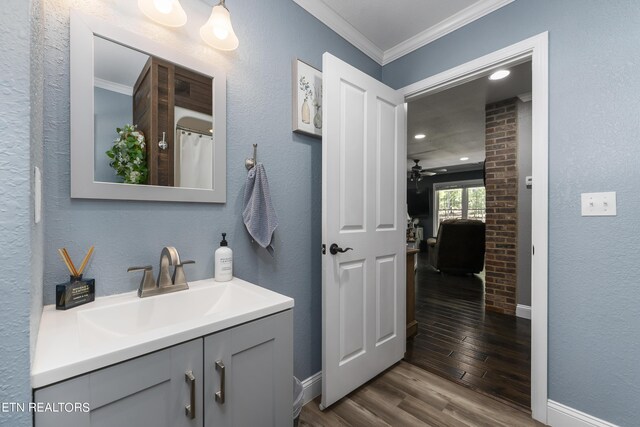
{"x":599,"y":204}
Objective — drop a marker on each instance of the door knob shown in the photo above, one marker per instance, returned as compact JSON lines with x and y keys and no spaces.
{"x":334,"y":249}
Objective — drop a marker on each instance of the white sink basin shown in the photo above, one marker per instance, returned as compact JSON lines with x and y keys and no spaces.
{"x":139,"y":316}
{"x":117,"y":328}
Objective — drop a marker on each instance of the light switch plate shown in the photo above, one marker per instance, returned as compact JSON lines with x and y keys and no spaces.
{"x":599,"y":204}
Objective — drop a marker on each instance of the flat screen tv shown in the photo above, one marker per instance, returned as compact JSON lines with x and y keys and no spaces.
{"x":418,"y":203}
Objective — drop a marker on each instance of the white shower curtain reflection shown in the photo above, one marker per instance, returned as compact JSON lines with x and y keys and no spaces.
{"x":195,"y":164}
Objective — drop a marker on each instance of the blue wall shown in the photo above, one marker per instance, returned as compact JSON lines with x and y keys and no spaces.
{"x":594,"y":127}
{"x":20,"y":239}
{"x":14,"y":212}
{"x":111,"y":110}
{"x":271,"y":34}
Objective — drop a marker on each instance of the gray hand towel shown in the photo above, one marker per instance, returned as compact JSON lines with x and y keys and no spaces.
{"x":258,"y":214}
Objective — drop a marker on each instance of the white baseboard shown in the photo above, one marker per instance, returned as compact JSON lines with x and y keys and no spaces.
{"x":312,"y":387}
{"x":559,"y":415}
{"x":523,"y":311}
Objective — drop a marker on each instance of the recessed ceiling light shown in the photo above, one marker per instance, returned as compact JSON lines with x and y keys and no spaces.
{"x":500,"y":74}
{"x":420,"y":136}
{"x":464,"y":159}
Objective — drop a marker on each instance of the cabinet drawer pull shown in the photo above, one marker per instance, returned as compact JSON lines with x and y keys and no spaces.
{"x":190,"y":409}
{"x":220,"y":394}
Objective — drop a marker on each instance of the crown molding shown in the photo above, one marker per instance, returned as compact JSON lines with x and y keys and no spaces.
{"x":337,"y":23}
{"x":112,"y":86}
{"x":454,"y":22}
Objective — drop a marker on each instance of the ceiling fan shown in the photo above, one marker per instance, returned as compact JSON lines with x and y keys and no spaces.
{"x":417,"y":172}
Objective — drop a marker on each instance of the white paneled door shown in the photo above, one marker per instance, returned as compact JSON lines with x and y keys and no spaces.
{"x":363,"y":228}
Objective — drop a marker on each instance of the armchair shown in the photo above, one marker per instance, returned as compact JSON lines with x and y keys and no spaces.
{"x":459,"y":247}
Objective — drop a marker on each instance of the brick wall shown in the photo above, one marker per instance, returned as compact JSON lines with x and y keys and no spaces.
{"x":502,"y":204}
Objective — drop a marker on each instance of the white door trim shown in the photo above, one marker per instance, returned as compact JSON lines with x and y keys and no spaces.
{"x":535,"y":49}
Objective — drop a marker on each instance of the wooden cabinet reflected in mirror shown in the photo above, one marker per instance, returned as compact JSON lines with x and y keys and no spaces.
{"x":161,"y":88}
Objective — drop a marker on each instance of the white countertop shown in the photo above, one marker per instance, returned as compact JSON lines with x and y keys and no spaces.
{"x":120,"y":327}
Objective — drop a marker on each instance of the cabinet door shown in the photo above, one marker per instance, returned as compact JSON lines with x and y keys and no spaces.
{"x":149,"y":391}
{"x":258,"y":371}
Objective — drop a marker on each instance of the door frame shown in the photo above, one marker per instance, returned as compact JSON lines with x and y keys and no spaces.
{"x":536,"y":50}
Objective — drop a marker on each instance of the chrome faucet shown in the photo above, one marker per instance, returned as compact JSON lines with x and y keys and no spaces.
{"x":166,"y":283}
{"x":168,"y":257}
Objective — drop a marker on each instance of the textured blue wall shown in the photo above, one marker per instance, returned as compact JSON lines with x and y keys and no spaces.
{"x":36,"y":56}
{"x":111,"y":110}
{"x":20,"y":238}
{"x":271,"y":34}
{"x":594,"y":263}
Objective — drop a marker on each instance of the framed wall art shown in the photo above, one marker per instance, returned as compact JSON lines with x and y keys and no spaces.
{"x":306,"y":97}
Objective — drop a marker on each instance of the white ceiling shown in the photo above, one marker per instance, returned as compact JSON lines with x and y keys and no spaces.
{"x":453,"y":120}
{"x":116,"y":67}
{"x":386,"y":30}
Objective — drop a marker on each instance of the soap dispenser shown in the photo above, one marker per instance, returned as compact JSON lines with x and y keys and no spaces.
{"x":223,"y":261}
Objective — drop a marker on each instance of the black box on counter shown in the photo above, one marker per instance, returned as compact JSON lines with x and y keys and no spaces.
{"x":76,"y":292}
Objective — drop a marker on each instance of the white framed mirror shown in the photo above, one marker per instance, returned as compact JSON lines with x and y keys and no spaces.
{"x":147,"y":122}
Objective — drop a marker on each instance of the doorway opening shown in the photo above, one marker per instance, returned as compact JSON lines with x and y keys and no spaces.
{"x":475,"y":142}
{"x":534,"y":52}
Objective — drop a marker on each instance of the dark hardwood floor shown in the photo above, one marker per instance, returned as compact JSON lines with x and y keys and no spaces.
{"x":457,"y":340}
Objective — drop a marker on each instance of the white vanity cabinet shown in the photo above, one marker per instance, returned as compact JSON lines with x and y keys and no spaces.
{"x":258,"y":374}
{"x":155,"y":390}
{"x":147,"y":391}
